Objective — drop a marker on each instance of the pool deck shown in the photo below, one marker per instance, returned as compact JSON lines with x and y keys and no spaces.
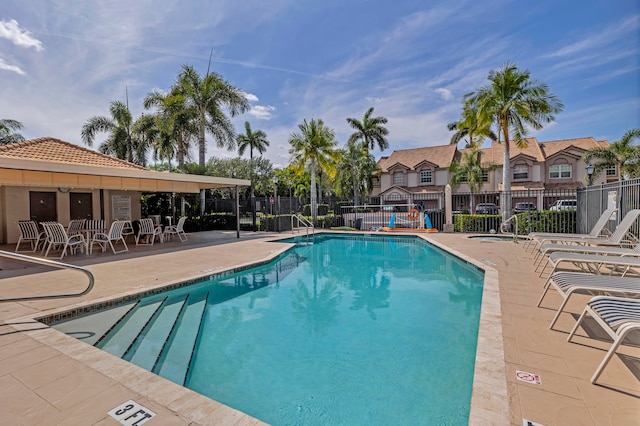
{"x":47,"y":377}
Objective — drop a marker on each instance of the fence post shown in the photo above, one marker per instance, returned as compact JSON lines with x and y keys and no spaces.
{"x":448,"y":211}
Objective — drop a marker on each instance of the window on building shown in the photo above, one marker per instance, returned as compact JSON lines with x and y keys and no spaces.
{"x":560,"y":171}
{"x":376,"y":182}
{"x":611,"y":170}
{"x":425,"y":176}
{"x":485,"y":176}
{"x":520,"y":172}
{"x":398,"y":178}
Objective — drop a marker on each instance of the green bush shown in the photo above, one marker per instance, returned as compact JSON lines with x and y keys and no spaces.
{"x":563,"y":221}
{"x":476,"y":222}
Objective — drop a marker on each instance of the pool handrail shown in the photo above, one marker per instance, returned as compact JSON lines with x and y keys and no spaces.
{"x":304,"y":221}
{"x":54,"y":264}
{"x":513,"y":218}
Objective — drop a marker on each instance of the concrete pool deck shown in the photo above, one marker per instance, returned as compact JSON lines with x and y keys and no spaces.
{"x":47,"y":377}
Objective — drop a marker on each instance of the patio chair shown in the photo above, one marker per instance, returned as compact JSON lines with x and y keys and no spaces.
{"x":598,"y":230}
{"x":619,"y":237}
{"x":593,"y":263}
{"x":148,"y":232}
{"x":177,"y":229}
{"x":617,"y":316}
{"x":57,"y":237}
{"x":111,"y":238}
{"x":75,"y":226}
{"x":29,"y":232}
{"x":569,"y":283}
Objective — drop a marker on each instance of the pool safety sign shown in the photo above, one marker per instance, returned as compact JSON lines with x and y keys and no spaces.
{"x":131,"y":413}
{"x":523,"y":376}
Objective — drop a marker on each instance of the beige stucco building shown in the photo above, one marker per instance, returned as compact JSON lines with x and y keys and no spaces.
{"x":50,"y":179}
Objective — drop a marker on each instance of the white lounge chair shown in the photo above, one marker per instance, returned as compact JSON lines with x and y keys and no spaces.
{"x":29,"y":233}
{"x":148,"y":232}
{"x":619,"y":237}
{"x":598,"y":230}
{"x":177,"y":229}
{"x":569,"y":283}
{"x":593,"y":263}
{"x":617,"y":316}
{"x":57,"y":237}
{"x":75,"y":226}
{"x":111,"y":238}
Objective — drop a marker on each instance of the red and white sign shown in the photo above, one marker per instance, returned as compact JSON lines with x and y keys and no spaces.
{"x":523,"y":376}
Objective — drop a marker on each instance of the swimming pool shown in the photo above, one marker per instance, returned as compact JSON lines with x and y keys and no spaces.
{"x":346,"y":330}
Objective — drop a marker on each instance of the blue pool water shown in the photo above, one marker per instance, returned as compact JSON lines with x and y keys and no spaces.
{"x":359,"y":330}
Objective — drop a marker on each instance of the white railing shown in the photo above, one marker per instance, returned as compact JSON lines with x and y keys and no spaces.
{"x":301,"y":220}
{"x":54,"y":264}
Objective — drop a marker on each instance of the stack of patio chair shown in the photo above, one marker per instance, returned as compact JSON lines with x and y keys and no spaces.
{"x":75,"y":226}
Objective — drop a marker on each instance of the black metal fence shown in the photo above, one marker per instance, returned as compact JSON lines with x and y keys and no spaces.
{"x":567,"y":210}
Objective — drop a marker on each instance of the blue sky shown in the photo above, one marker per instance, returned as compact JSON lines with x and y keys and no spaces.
{"x":64,"y":61}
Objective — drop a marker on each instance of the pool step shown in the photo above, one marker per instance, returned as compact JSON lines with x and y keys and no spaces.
{"x":175,"y":359}
{"x":147,"y":346}
{"x":121,"y":337}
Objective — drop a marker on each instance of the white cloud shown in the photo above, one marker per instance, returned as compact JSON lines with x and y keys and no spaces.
{"x":251,"y":97}
{"x":14,"y":68}
{"x":262,"y":112}
{"x":11,"y":31}
{"x":444,"y":93}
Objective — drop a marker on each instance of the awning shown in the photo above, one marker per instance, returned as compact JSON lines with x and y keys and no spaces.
{"x":20,"y":172}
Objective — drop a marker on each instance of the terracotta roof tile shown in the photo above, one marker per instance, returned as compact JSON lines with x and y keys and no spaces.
{"x":58,"y":151}
{"x":532,"y":150}
{"x":553,"y":147}
{"x":441,"y":155}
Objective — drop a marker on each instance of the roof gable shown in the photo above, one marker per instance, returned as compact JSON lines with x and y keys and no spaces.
{"x":58,"y":151}
{"x":440,"y":156}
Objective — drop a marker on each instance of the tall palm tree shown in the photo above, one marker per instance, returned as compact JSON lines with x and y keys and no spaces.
{"x":469,"y":169}
{"x":370,"y":131}
{"x":468,"y":126}
{"x":121,"y":142}
{"x":621,"y":154}
{"x":7,"y":131}
{"x":354,"y":170}
{"x":314,"y":147}
{"x":206,"y":96}
{"x":175,"y":119}
{"x":512,"y":100}
{"x":254,"y":140}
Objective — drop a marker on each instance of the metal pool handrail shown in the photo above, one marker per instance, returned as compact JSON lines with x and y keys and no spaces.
{"x":515,"y":233}
{"x":54,"y":264}
{"x":304,"y":221}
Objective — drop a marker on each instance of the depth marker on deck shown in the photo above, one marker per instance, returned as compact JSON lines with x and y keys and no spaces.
{"x":523,"y":376}
{"x":131,"y":413}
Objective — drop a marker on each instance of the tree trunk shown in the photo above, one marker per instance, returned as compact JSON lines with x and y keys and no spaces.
{"x":505,"y":201}
{"x":253,"y":197}
{"x":314,"y":195}
{"x":201,"y":141}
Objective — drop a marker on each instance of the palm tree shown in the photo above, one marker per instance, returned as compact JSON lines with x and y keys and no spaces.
{"x":206,"y":96}
{"x":314,"y":147}
{"x":370,"y":131}
{"x":468,"y":125}
{"x":7,"y":131}
{"x":254,"y":140}
{"x":121,"y":142}
{"x":175,"y":119}
{"x":512,"y":100}
{"x":354,"y":170}
{"x":469,"y":170}
{"x":621,"y":154}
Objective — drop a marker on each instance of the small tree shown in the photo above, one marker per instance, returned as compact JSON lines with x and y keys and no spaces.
{"x":621,"y":154}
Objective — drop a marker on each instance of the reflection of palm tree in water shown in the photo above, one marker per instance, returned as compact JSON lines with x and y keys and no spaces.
{"x":372,"y":295}
{"x":316,"y":311}
{"x":465,"y":293}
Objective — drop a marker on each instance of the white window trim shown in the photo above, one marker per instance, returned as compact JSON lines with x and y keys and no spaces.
{"x":559,"y":168}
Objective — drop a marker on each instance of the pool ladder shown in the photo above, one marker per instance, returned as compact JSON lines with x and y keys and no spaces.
{"x":301,"y":220}
{"x":54,"y":264}
{"x":513,"y":218}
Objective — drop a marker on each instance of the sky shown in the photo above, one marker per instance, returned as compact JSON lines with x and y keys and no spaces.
{"x":64,"y":61}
